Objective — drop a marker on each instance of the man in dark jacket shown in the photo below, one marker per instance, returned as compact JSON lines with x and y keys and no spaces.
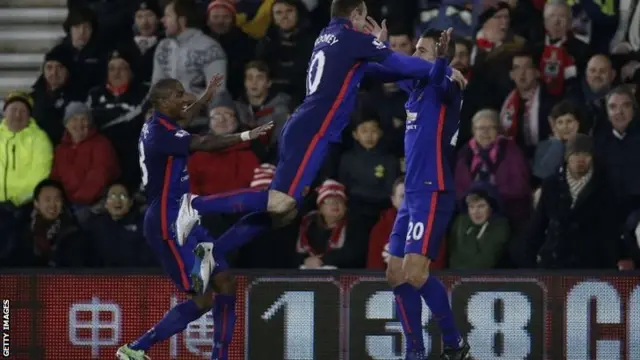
{"x":573,"y":226}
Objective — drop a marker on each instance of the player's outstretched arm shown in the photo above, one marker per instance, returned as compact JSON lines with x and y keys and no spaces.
{"x":213,"y":142}
{"x":196,"y":107}
{"x":417,"y":68}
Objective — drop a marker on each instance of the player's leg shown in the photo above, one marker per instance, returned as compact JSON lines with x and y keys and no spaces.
{"x":408,"y":301}
{"x":175,"y":261}
{"x":430,"y":215}
{"x":236,"y":201}
{"x":224,"y":315}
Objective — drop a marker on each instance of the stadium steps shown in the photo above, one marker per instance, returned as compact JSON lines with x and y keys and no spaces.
{"x":28,"y":29}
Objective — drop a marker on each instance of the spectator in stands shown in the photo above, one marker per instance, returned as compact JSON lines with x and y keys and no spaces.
{"x":239,"y":47}
{"x":525,"y":112}
{"x":84,"y":47}
{"x":598,"y":79}
{"x":561,"y":54}
{"x":618,"y":149}
{"x":287,"y":48}
{"x":187,"y":54}
{"x":228,"y":169}
{"x":261,"y":103}
{"x":573,"y":226}
{"x":84,"y":162}
{"x":401,"y":40}
{"x":117,"y":106}
{"x":325,"y":240}
{"x":494,"y":35}
{"x":367,"y":170}
{"x":53,"y":237}
{"x":146,"y":38}
{"x":462,"y":57}
{"x":479,"y":236}
{"x":378,"y":254}
{"x":116,"y":233}
{"x":53,"y":91}
{"x":565,"y":119}
{"x":497,"y":160}
{"x":25,"y":150}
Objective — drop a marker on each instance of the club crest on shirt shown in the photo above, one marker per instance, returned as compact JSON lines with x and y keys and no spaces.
{"x":378,"y":44}
{"x":181,"y":133}
{"x":379,"y":171}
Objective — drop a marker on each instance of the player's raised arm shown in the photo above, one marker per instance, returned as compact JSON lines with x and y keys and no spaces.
{"x":212,"y":142}
{"x":193,"y":109}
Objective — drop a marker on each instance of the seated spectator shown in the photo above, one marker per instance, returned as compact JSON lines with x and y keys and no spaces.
{"x":147,"y":35}
{"x":497,"y":160}
{"x":378,"y":255}
{"x":25,"y":150}
{"x":53,"y":237}
{"x":187,"y":54}
{"x":84,"y":162}
{"x":561,"y":54}
{"x":117,"y":111}
{"x":565,"y":120}
{"x":53,"y":91}
{"x":116,"y":233}
{"x":228,"y":169}
{"x":239,"y":47}
{"x":618,"y":149}
{"x":260,"y":103}
{"x":367,"y":170}
{"x":573,"y":226}
{"x":286,"y":48}
{"x":325,"y":240}
{"x":597,"y":82}
{"x":83,"y":45}
{"x":525,"y":112}
{"x":478,"y":236}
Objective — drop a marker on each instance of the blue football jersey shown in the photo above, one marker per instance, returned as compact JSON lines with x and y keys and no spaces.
{"x":433,"y":113}
{"x":164,"y":150}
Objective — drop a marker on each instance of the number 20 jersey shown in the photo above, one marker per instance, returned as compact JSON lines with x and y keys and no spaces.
{"x":333,"y":77}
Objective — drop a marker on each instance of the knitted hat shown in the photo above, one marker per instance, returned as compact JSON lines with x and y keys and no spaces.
{"x":21,"y":96}
{"x":125,"y":53}
{"x":331,"y":188}
{"x":580,"y":143}
{"x":76,"y":108}
{"x":223,"y":99}
{"x":61,"y":55}
{"x":227,"y":4}
{"x":489,"y":12}
{"x":150,"y":5}
{"x":262,"y":176}
{"x":80,"y":15}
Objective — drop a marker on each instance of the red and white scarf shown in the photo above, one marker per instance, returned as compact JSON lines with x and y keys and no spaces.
{"x":531,"y":111}
{"x":556,"y":66}
{"x":482,"y":44}
{"x":336,"y":239}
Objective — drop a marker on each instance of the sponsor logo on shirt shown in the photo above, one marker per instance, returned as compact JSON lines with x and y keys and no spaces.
{"x":181,"y":133}
{"x":378,"y":44}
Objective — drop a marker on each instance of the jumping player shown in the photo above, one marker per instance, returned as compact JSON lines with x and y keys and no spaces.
{"x":340,"y":59}
{"x":433,"y":111}
{"x":164,"y":149}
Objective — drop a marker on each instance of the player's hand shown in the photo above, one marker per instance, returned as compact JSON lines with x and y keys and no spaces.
{"x":442,"y":45}
{"x":213,"y":86}
{"x":457,"y":76}
{"x":379,"y":31}
{"x":261,"y":130}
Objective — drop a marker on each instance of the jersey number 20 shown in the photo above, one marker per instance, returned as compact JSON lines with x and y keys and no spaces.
{"x":314,"y":74}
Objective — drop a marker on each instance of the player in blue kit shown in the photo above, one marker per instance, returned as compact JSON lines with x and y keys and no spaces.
{"x":342,"y":55}
{"x":433,"y":111}
{"x":164,"y":149}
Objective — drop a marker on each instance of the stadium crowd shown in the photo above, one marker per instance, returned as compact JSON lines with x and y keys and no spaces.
{"x":548,"y":154}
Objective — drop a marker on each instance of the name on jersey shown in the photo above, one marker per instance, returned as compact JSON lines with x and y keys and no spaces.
{"x":326,"y":38}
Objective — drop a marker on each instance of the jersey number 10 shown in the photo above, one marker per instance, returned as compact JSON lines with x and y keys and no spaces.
{"x":314,"y":74}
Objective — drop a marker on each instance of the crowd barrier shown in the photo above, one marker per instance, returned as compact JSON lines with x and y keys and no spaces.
{"x":325,"y":316}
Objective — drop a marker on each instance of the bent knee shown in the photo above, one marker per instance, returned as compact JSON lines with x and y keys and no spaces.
{"x":416,"y":278}
{"x":204,"y":301}
{"x":395,"y":275}
{"x":280,"y":203}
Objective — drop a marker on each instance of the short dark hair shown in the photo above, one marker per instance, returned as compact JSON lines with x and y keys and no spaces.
{"x":434,"y":34}
{"x":161,"y":91}
{"x":342,"y":8}
{"x":525,"y":53}
{"x":464,"y":42}
{"x":48,"y":183}
{"x":566,"y":107}
{"x":187,"y":9}
{"x":626,"y":90}
{"x":259,"y":65}
{"x":401,"y":30}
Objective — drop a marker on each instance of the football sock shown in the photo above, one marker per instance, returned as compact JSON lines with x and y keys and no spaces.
{"x":239,"y":201}
{"x":409,"y":311}
{"x":173,"y":322}
{"x":224,"y":320}
{"x":435,"y":296}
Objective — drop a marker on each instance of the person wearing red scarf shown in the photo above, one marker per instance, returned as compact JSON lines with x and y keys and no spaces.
{"x":322,"y":241}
